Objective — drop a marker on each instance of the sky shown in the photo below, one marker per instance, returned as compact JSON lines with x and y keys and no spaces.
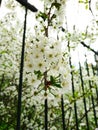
{"x":75,"y":12}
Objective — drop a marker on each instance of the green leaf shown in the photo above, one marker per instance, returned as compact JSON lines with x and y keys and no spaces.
{"x":86,"y":6}
{"x":53,"y":16}
{"x":97,"y":21}
{"x":3,"y":52}
{"x":52,"y":79}
{"x":57,"y":5}
{"x":81,"y":1}
{"x":43,"y":16}
{"x":38,"y":73}
{"x":55,"y":81}
{"x":58,"y":85}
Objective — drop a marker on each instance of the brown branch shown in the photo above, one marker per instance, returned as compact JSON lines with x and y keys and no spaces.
{"x":89,"y":47}
{"x":89,"y":2}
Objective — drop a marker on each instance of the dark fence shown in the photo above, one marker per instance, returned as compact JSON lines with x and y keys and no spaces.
{"x":81,"y":112}
{"x":88,"y":90}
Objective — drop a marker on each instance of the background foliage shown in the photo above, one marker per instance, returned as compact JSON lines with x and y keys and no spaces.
{"x":47,"y":58}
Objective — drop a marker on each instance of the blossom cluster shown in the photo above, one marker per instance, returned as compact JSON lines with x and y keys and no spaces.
{"x":46,"y":55}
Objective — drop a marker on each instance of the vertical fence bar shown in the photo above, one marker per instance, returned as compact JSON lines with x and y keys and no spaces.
{"x":21,"y":75}
{"x":95,"y":83}
{"x":46,"y":102}
{"x":73,"y":90}
{"x":84,"y":99}
{"x":46,"y":114}
{"x":92,"y":98}
{"x":63,"y":113}
{"x":96,"y":60}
